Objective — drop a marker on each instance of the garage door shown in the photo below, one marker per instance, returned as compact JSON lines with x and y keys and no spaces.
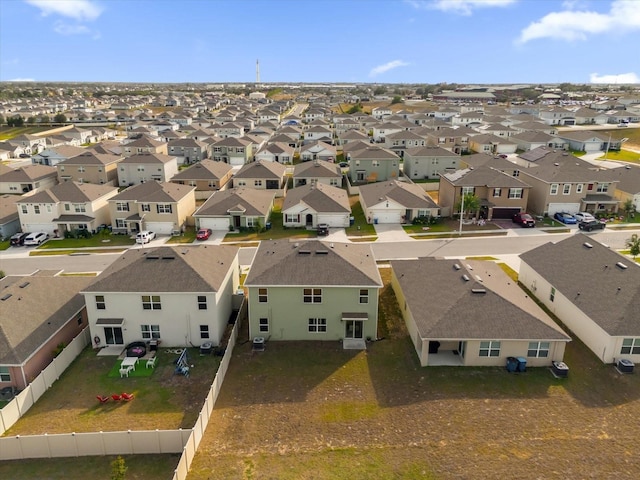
{"x":504,"y":212}
{"x":219,"y":224}
{"x":162,"y":228}
{"x":387,"y":216}
{"x":334,"y":220}
{"x":39,"y":227}
{"x":563,"y":207}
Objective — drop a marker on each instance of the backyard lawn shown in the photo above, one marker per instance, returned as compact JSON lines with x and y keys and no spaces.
{"x":95,"y":241}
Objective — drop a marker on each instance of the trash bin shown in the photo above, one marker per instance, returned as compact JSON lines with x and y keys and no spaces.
{"x":512,"y":364}
{"x":153,"y":345}
{"x":375,"y":221}
{"x":352,"y":220}
{"x":268,"y":225}
{"x":522,"y":364}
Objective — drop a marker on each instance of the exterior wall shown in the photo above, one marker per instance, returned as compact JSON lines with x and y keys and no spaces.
{"x":17,"y":188}
{"x":256,"y":183}
{"x":128,"y":173}
{"x":428,"y":167}
{"x":288,"y":315}
{"x":387,"y":169}
{"x":593,"y":336}
{"x":92,"y":174}
{"x":9,"y":228}
{"x":447,"y":197}
{"x":34,"y":222}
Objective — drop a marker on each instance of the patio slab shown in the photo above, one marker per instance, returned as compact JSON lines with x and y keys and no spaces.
{"x":110,"y":351}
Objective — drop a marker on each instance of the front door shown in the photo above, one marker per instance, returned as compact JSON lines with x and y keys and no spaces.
{"x":309,"y":220}
{"x":236,"y":221}
{"x":353,"y":329}
{"x":113,"y":335}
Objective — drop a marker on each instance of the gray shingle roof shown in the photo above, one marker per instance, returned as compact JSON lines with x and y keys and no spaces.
{"x":155,"y":192}
{"x":444,"y":306}
{"x":317,"y":169}
{"x":204,"y":170}
{"x":259,"y":169}
{"x":29,"y":173}
{"x":406,"y":194}
{"x":484,"y":176}
{"x":199,"y":268}
{"x":148,"y":158}
{"x":281,"y":262}
{"x":253,"y":201}
{"x":70,"y":192}
{"x":609,"y":295}
{"x":320,"y":197}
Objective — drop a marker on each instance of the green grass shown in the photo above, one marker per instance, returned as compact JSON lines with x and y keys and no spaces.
{"x":360,"y":227}
{"x":141,"y":370}
{"x":97,"y":240}
{"x":84,"y":251}
{"x":4,"y":244}
{"x":435,"y":228}
{"x":277,"y":231}
{"x":622,"y":155}
{"x":188,"y":236}
{"x":7,"y":133}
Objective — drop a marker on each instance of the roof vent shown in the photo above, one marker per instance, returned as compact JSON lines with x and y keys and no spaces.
{"x":587,"y":244}
{"x":556,"y":164}
{"x":322,"y":252}
{"x":153,"y":257}
{"x":169,"y":258}
{"x":478,"y":290}
{"x":456,"y":266}
{"x":6,"y":297}
{"x":25,"y":284}
{"x":621,"y":266}
{"x":479,"y":278}
{"x":304,"y":252}
{"x":469,"y":267}
{"x":466,"y":278}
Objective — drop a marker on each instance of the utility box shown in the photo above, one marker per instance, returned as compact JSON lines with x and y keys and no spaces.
{"x":560,"y":369}
{"x":625,"y":366}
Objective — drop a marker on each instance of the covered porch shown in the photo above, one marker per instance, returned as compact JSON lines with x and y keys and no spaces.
{"x":599,"y":203}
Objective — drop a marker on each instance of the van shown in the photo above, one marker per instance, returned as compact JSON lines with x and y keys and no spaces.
{"x":145,"y":236}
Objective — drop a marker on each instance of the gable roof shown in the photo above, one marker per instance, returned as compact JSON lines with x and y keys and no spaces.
{"x":200,"y":268}
{"x":375,"y":153}
{"x":406,"y":194}
{"x":204,"y":170}
{"x":260,"y":169}
{"x":285,"y":263}
{"x":316,"y":169}
{"x":91,"y":158}
{"x":70,"y":192}
{"x":253,"y":201}
{"x":502,"y":312}
{"x":155,"y":192}
{"x":320,"y":197}
{"x":28,"y":173}
{"x":590,"y":279}
{"x":430,"y":151}
{"x":484,"y":176}
{"x":149,"y":158}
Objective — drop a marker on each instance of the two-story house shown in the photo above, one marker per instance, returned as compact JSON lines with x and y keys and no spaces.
{"x":232,"y":150}
{"x":261,"y":176}
{"x":188,"y":150}
{"x":373,"y":164}
{"x":30,"y":178}
{"x":146,"y":167}
{"x":429,"y":162}
{"x":207,"y":176}
{"x":90,"y":167}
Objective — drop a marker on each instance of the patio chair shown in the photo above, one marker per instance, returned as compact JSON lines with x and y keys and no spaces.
{"x":127,"y":396}
{"x":102,"y":399}
{"x":116,"y":397}
{"x":151,"y":363}
{"x":124,"y":371}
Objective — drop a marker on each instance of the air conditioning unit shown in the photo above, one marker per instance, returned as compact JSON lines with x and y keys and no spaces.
{"x":625,"y":366}
{"x":258,"y":344}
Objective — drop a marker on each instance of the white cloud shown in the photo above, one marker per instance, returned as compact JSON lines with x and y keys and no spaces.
{"x":21,"y":80}
{"x":461,"y":7}
{"x":620,"y":78}
{"x":386,"y":67}
{"x":66,"y":29}
{"x":578,"y":25}
{"x":80,"y":10}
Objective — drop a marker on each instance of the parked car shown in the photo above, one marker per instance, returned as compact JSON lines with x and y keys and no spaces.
{"x":565,"y":218}
{"x":145,"y":236}
{"x":323,"y":229}
{"x":344,"y":164}
{"x":204,"y":233}
{"x":17,"y":239}
{"x":583,"y":216}
{"x":590,"y":225}
{"x":524,"y":219}
{"x":36,"y":238}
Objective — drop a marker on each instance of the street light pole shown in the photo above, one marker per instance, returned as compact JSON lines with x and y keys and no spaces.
{"x":606,"y":152}
{"x":461,"y":210}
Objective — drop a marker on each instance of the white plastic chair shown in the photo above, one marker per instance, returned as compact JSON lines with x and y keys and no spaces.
{"x":151,"y":363}
{"x":124,"y":371}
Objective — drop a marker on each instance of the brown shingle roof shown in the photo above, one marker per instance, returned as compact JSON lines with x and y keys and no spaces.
{"x":253,"y":201}
{"x":320,"y":197}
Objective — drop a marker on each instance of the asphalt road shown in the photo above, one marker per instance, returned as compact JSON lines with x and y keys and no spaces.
{"x":19,"y":264}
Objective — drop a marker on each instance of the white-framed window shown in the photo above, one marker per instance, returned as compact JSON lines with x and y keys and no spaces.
{"x":240,"y":150}
{"x":317,"y":325}
{"x":151,"y":302}
{"x":204,"y":332}
{"x":579,"y":188}
{"x":24,"y":209}
{"x":81,"y":169}
{"x":515,"y":193}
{"x":79,"y":207}
{"x":120,"y":223}
{"x":312,"y":295}
{"x":213,"y":184}
{"x":602,"y":188}
{"x":489,"y":349}
{"x":497,"y":192}
{"x":333,"y":182}
{"x":36,"y":209}
{"x":516,"y":173}
{"x":202,"y":302}
{"x":292,"y":218}
{"x":192,"y":183}
{"x":375,"y":163}
{"x":257,"y":183}
{"x":364,"y":295}
{"x":566,"y":189}
{"x":467,"y":190}
{"x":164,"y":208}
{"x":630,"y":346}
{"x":251,"y":222}
{"x":141,"y":169}
{"x":67,"y":207}
{"x":554,"y":189}
{"x":122,"y":207}
{"x":263,"y":325}
{"x":150,"y":331}
{"x":5,"y":374}
{"x":263,"y":295}
{"x":100,"y":303}
{"x":145,"y":207}
{"x":538,"y":349}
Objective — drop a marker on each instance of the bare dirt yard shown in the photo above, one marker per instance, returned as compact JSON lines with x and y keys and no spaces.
{"x":310,"y":410}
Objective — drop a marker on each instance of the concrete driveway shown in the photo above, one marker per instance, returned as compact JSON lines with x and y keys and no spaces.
{"x":391,"y":232}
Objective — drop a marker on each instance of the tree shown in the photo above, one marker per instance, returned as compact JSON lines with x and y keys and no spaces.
{"x":396,"y":99}
{"x":31,"y":120}
{"x":60,"y":118}
{"x":471,"y":204}
{"x":357,"y":108}
{"x":634,"y":245}
{"x":380,"y":90}
{"x":629,"y":208}
{"x":45,"y":119}
{"x":16,"y":121}
{"x":118,"y":469}
{"x":1,"y":119}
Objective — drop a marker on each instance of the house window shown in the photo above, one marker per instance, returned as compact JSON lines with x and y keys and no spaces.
{"x":552,"y":295}
{"x":202,"y":302}
{"x":538,"y":349}
{"x":515,"y":193}
{"x":497,"y":191}
{"x":122,"y":207}
{"x":292,"y":218}
{"x":213,"y":184}
{"x":263,"y":325}
{"x":357,"y":163}
{"x":312,"y":295}
{"x":251,"y":222}
{"x":80,"y":207}
{"x":120,"y":223}
{"x":317,"y":325}
{"x":489,"y":349}
{"x":151,"y":302}
{"x":36,"y":209}
{"x":67,"y":207}
{"x":579,"y":188}
{"x":467,"y":190}
{"x":24,"y":209}
{"x":239,"y":150}
{"x":333,"y":182}
{"x":100,"y":303}
{"x":263,"y":297}
{"x":602,"y":188}
{"x":192,"y":183}
{"x":630,"y":346}
{"x":590,"y":186}
{"x":554,"y":189}
{"x":364,"y":295}
{"x":257,"y":183}
{"x":145,"y":207}
{"x":375,"y":163}
{"x":81,"y":169}
{"x":566,"y":189}
{"x":150,"y":331}
{"x":5,"y":375}
{"x":141,"y":169}
{"x":516,"y":173}
{"x":204,"y":331}
{"x":164,"y":208}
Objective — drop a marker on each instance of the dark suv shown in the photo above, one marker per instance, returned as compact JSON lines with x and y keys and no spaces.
{"x":590,"y":225}
{"x":17,"y":239}
{"x":524,"y":219}
{"x":323,"y":229}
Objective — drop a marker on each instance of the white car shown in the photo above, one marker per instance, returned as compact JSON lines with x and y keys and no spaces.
{"x":36,"y":238}
{"x":145,"y":236}
{"x":583,"y":217}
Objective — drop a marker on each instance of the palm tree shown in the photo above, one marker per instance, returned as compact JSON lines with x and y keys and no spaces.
{"x":634,"y":245}
{"x":470,"y":202}
{"x":629,"y":208}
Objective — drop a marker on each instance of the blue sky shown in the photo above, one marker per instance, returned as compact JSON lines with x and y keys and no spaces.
{"x":380,"y":41}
